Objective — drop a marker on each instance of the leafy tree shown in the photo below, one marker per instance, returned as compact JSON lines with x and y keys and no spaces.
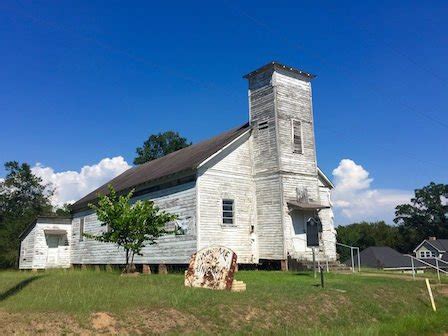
{"x":159,"y":145}
{"x":425,"y":216}
{"x":64,"y":210}
{"x":22,"y":198}
{"x":365,"y":234}
{"x":130,"y":226}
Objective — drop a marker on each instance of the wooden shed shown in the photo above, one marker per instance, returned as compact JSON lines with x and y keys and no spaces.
{"x":46,"y":243}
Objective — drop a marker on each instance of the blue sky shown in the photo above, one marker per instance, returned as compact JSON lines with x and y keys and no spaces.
{"x":84,"y":81}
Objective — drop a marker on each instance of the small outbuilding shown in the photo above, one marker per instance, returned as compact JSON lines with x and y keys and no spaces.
{"x":46,"y":243}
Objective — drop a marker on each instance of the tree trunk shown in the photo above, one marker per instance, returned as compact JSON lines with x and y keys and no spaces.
{"x":126,"y":268}
{"x":132,"y":267}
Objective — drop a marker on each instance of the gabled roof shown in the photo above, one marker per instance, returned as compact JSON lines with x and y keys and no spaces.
{"x":183,"y":160}
{"x":440,"y":245}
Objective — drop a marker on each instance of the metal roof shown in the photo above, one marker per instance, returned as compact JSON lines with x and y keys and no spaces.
{"x":183,"y":160}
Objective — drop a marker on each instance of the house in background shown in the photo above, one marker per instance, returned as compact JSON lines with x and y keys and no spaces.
{"x":255,"y":189}
{"x":432,"y":248}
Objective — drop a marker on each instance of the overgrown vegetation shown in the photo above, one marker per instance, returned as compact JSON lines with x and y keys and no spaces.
{"x":274,"y":303}
{"x":131,"y":226}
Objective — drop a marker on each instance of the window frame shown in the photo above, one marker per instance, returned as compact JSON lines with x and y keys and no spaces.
{"x":294,"y":150}
{"x":225,"y":211}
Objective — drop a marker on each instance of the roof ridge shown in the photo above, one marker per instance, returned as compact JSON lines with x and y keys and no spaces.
{"x":182,"y":160}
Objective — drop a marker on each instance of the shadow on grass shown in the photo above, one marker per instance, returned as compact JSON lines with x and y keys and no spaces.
{"x":17,"y":288}
{"x":307,"y":274}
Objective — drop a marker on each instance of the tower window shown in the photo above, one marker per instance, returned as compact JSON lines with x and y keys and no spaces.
{"x":297,"y":136}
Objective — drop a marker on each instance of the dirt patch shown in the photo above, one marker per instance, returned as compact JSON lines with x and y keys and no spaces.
{"x":104,"y":322}
{"x":442,"y":290}
{"x":40,"y":323}
{"x":163,"y":320}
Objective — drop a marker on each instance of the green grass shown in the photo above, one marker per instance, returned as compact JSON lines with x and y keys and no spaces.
{"x":274,"y":303}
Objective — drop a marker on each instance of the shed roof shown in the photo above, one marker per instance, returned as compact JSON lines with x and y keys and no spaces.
{"x":52,"y":219}
{"x":183,"y":160}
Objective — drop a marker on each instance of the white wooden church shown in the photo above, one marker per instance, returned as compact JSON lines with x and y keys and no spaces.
{"x":254,"y":189}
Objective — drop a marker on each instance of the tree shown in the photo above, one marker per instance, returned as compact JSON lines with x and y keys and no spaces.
{"x":130,"y":226}
{"x":425,"y":216}
{"x":159,"y":145}
{"x":63,"y":210}
{"x":365,"y":234}
{"x":23,"y":196}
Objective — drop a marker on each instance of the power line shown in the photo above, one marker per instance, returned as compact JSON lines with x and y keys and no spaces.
{"x":188,"y":78}
{"x":130,"y":55}
{"x":323,"y":60}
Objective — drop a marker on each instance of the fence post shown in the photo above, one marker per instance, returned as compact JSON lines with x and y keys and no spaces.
{"x":328,"y":269}
{"x":353,"y":260}
{"x":359,"y":261}
{"x":413,"y":269}
{"x":438,"y":270}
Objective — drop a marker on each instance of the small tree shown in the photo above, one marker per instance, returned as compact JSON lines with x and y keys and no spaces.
{"x":130,"y":226}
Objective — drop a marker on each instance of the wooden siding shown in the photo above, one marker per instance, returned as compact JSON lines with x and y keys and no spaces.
{"x":269,"y":217}
{"x":34,"y":249}
{"x":171,"y":249}
{"x":293,"y":102}
{"x":282,"y":97}
{"x":27,"y":250}
{"x":228,"y":176}
{"x":262,"y":109}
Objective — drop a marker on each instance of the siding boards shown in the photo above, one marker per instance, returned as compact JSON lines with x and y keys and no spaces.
{"x":180,"y":200}
{"x":293,"y":101}
{"x":229,"y":176}
{"x":33,"y":248}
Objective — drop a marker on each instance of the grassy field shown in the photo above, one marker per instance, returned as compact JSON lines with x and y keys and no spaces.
{"x":89,"y":302}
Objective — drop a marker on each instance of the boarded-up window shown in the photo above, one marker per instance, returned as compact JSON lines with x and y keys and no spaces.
{"x":227,"y":211}
{"x":81,"y":229}
{"x":297,"y":138}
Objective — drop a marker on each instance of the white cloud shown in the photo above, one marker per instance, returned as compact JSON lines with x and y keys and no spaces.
{"x":72,"y":185}
{"x":355,"y":200}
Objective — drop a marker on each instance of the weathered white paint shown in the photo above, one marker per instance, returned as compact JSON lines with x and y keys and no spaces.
{"x":259,"y":171}
{"x":228,"y":176}
{"x":170,"y":249}
{"x":280,"y":96}
{"x":37,"y":250}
